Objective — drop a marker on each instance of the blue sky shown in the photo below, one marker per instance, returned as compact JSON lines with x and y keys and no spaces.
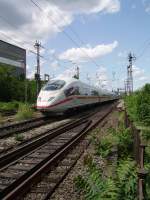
{"x":109,"y":30}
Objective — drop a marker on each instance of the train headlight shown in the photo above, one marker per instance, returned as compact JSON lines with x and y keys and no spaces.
{"x":51,"y":98}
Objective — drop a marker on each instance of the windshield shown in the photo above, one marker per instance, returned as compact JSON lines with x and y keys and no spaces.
{"x":54,"y":85}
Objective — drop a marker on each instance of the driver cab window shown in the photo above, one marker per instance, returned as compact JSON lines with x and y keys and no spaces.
{"x":54,"y":85}
{"x":94,"y":93}
{"x":72,"y":91}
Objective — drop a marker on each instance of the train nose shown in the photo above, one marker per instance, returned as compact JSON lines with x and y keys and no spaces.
{"x":43,"y":102}
{"x":49,"y":99}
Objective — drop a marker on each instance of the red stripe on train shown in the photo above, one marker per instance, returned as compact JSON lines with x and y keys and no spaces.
{"x":61,"y":102}
{"x":68,"y":99}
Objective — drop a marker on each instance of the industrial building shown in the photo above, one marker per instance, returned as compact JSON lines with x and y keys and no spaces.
{"x":13,"y":57}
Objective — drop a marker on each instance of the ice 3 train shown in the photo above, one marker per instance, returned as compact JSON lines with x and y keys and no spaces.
{"x":60,"y":95}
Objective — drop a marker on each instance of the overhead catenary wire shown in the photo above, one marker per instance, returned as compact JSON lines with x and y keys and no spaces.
{"x":12,"y":25}
{"x":140,"y":55}
{"x":16,"y":42}
{"x":57,"y":59}
{"x":64,"y":32}
{"x":70,"y":28}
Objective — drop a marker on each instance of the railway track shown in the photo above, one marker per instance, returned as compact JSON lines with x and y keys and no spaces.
{"x":8,"y":130}
{"x":17,"y":176}
{"x":10,"y":142}
{"x":19,"y":127}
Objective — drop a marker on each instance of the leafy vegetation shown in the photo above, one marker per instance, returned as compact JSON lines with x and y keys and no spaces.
{"x":94,"y":186}
{"x":138,"y":105}
{"x":97,"y":185}
{"x":122,"y":138}
{"x":13,"y":88}
{"x":103,"y":146}
{"x":24,"y":112}
{"x":125,"y":142}
{"x":147,"y":168}
{"x":9,"y":106}
{"x":19,"y":137}
{"x":138,"y":108}
{"x":127,"y":180}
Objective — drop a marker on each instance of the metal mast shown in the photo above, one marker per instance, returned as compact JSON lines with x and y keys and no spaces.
{"x":37,"y":74}
{"x":129,"y":88}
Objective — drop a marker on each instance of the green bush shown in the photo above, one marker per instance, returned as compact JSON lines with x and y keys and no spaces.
{"x":131,"y":105}
{"x":127,"y":180}
{"x":94,"y":186}
{"x":9,"y":106}
{"x":122,"y":138}
{"x":104,"y":145}
{"x":24,"y":112}
{"x":125,"y":142}
{"x":13,"y":88}
{"x":138,"y":105}
{"x":19,"y":137}
{"x":147,"y":168}
{"x":143,"y":105}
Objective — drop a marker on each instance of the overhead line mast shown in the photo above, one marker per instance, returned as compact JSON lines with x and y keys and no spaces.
{"x":37,"y":74}
{"x":129,"y":88}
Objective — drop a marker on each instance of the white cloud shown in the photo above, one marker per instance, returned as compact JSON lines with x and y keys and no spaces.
{"x":90,"y":6}
{"x":54,"y":64}
{"x":146,"y":5}
{"x":102,"y":78}
{"x":42,"y":62}
{"x":122,"y":54}
{"x":83,"y":54}
{"x":143,"y":78}
{"x":28,"y":23}
{"x":51,"y":52}
{"x":30,"y":74}
{"x":68,"y":73}
{"x":139,"y":74}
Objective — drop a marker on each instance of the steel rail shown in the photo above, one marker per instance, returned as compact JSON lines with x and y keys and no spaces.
{"x":26,"y":148}
{"x":18,"y":127}
{"x":21,"y":186}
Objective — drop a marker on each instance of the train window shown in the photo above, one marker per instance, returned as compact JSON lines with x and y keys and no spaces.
{"x":72,"y":91}
{"x":54,"y":85}
{"x":94,"y":93}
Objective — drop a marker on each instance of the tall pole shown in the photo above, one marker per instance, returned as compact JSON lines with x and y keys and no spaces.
{"x":37,"y":74}
{"x":98,"y":79}
{"x":78,"y":73}
{"x":131,"y":58}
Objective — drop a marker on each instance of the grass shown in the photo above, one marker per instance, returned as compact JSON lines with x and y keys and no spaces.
{"x":94,"y":186}
{"x":95,"y":183}
{"x":1,"y":119}
{"x":24,"y":112}
{"x":9,"y":106}
{"x":19,"y":137}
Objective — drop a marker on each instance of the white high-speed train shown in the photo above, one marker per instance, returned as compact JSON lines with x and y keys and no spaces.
{"x":59,"y":95}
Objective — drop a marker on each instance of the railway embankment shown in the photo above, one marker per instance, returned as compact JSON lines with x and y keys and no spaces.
{"x":35,"y":169}
{"x":116,"y":163}
{"x":105,"y":155}
{"x":13,"y":112}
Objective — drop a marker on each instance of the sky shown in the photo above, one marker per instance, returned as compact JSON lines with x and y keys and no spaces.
{"x":96,"y":35}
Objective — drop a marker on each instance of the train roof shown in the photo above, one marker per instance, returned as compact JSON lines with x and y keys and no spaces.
{"x":73,"y":80}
